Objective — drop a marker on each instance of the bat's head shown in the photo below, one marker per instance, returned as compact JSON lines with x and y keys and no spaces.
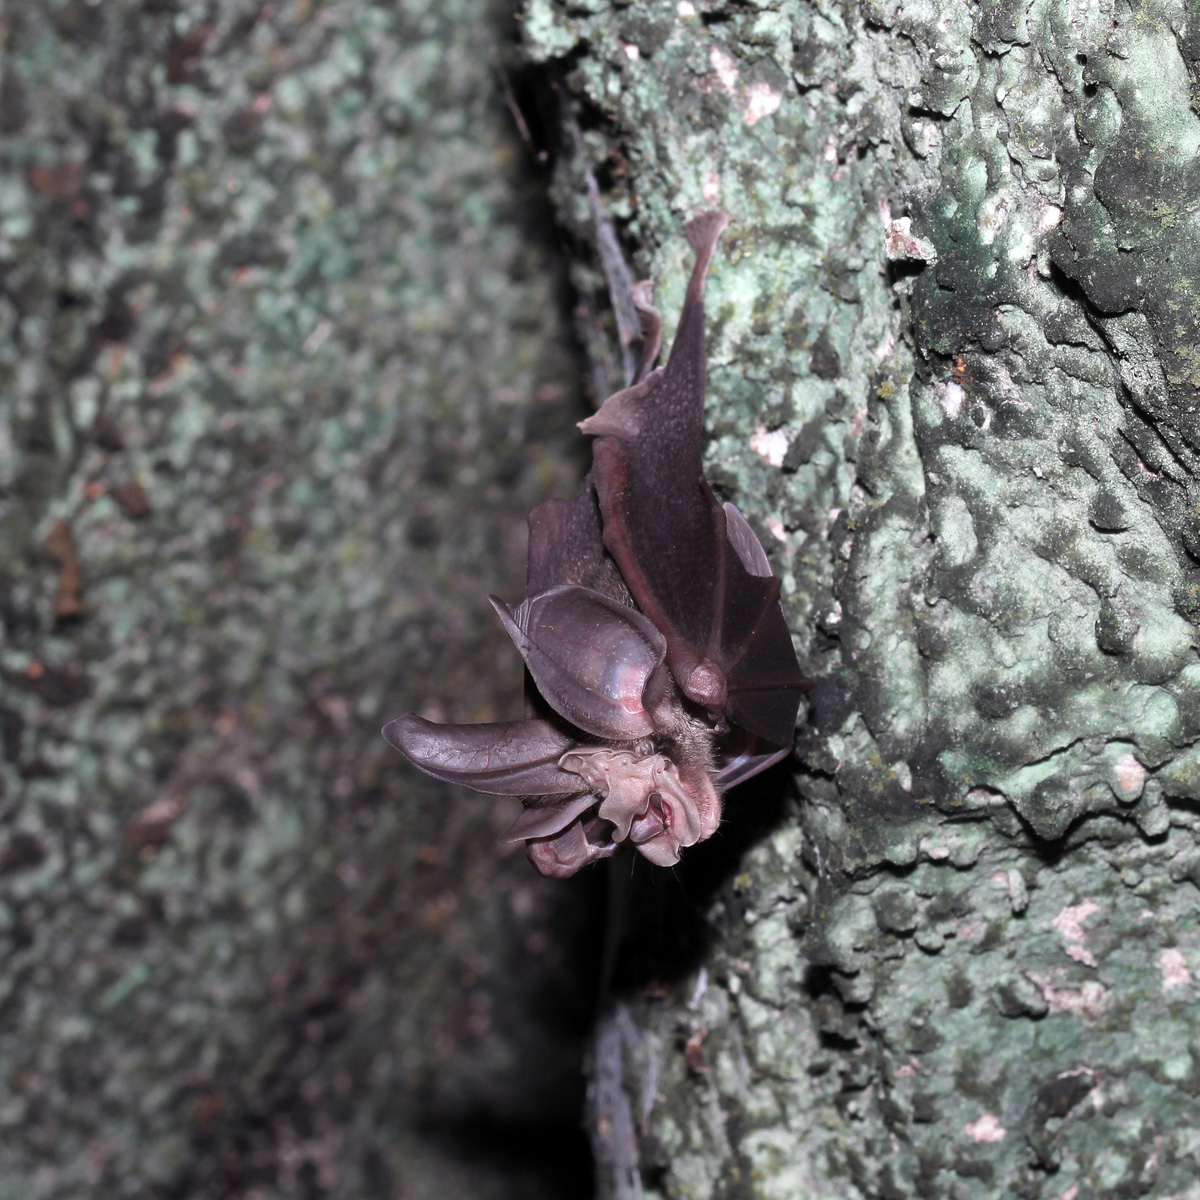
{"x":645,"y":800}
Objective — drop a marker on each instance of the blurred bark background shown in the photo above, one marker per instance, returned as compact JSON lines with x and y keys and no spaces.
{"x":284,"y":363}
{"x":286,"y":358}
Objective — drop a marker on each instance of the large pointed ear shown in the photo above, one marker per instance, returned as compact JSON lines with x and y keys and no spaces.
{"x":755,"y":757}
{"x":545,"y":820}
{"x":590,"y":657}
{"x":505,"y":758}
{"x":566,"y":853}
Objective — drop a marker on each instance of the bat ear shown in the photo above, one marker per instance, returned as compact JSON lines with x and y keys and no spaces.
{"x":560,"y":856}
{"x":506,"y":758}
{"x":590,"y":657}
{"x":546,"y":820}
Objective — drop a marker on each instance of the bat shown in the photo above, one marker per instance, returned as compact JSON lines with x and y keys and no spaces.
{"x":659,"y":668}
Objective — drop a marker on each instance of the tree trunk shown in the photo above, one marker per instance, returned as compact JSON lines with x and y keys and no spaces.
{"x":284,"y":363}
{"x":953,"y":381}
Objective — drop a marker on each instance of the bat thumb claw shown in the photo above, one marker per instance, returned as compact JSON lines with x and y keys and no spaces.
{"x":703,"y":230}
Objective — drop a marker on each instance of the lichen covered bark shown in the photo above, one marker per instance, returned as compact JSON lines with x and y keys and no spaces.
{"x":283,"y":366}
{"x":953,"y":380}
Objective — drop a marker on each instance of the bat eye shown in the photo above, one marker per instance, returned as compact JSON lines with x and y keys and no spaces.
{"x":705,"y":685}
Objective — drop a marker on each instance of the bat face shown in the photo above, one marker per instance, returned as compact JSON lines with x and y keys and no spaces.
{"x":659,"y":665}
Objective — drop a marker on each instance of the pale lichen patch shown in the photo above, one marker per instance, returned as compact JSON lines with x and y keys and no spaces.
{"x":900,"y":244}
{"x":1174,"y":967}
{"x":760,"y":100}
{"x":771,"y":445}
{"x":725,"y":65}
{"x":1128,"y":778}
{"x":1088,"y":999}
{"x":1069,"y":924}
{"x":986,"y":1128}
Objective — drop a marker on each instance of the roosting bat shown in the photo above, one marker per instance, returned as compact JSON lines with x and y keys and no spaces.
{"x":659,"y":667}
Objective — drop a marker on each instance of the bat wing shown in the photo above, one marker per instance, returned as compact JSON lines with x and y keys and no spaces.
{"x":566,"y":546}
{"x":505,"y":758}
{"x":590,"y":657}
{"x":755,"y":757}
{"x":745,"y":543}
{"x":696,"y":570}
{"x":764,"y":681}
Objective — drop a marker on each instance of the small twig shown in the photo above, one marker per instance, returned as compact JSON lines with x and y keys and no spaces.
{"x":514,"y":108}
{"x":620,"y":282}
{"x":614,"y":1137}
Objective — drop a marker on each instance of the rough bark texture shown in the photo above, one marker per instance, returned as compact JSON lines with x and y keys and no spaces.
{"x":284,"y":363}
{"x":954,"y":380}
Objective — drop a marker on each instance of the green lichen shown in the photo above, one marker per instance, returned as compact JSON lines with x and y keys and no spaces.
{"x":969,"y":441}
{"x":280,"y":267}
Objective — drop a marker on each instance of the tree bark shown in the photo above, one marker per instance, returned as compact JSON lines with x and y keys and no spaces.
{"x":284,"y":362}
{"x":953,"y":381}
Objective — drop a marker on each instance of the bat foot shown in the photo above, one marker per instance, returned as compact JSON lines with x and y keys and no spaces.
{"x":705,"y":685}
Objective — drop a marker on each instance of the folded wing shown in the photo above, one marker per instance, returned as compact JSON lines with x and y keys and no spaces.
{"x":694,"y":568}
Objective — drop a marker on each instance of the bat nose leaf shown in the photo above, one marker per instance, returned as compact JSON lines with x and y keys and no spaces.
{"x":505,"y":758}
{"x":590,"y":657}
{"x":646,"y":799}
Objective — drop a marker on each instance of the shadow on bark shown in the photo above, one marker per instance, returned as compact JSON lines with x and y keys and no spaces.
{"x":665,"y":931}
